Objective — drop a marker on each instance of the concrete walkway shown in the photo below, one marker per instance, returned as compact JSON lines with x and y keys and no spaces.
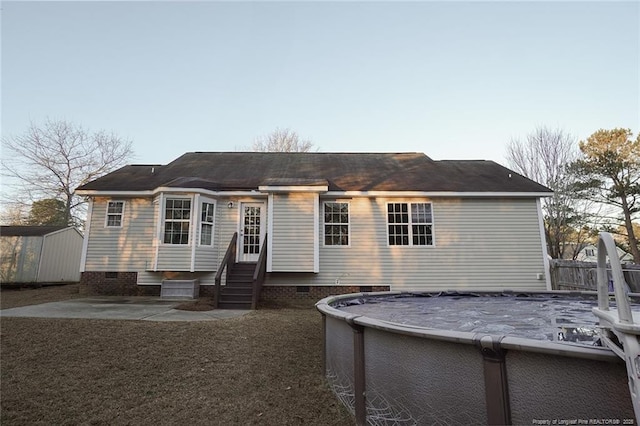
{"x":120,"y":308}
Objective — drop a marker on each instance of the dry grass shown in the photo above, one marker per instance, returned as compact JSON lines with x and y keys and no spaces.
{"x":16,"y":297}
{"x":263,"y":368}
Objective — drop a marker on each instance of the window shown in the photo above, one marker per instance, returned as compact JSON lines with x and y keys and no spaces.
{"x":115,"y":209}
{"x":206,"y":224}
{"x":409,"y":224}
{"x":590,"y":252}
{"x":177,"y":215}
{"x":336,"y":224}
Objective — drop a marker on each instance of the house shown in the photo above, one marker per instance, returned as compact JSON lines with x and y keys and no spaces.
{"x":40,"y":254}
{"x":324,"y":223}
{"x":590,"y":254}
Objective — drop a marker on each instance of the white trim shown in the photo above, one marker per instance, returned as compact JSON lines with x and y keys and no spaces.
{"x":160,"y":226}
{"x":293,"y":188}
{"x":195,"y":212}
{"x":238,"y":225}
{"x":270,"y":233}
{"x":85,"y":241}
{"x":44,"y":241}
{"x":106,"y":213}
{"x":150,"y":193}
{"x":316,"y":233}
{"x":433,"y":225}
{"x":240,"y":245}
{"x":94,"y":193}
{"x":435,"y":194}
{"x":543,"y":239}
{"x":64,"y":230}
{"x":324,"y":203}
{"x":327,"y":194}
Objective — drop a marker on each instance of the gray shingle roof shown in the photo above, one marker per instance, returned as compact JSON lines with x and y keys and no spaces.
{"x":342,"y":171}
{"x":28,"y":231}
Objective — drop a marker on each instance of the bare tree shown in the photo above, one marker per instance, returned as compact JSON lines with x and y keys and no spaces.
{"x":50,"y":161}
{"x":544,"y":156}
{"x":13,"y":214}
{"x":285,"y":140}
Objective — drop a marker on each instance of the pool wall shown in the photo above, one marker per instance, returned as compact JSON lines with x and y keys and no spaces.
{"x":388,"y":373}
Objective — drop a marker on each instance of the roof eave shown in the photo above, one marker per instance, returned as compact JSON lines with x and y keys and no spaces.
{"x":320,"y":189}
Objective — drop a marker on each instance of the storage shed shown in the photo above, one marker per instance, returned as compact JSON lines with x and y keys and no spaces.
{"x":40,"y":254}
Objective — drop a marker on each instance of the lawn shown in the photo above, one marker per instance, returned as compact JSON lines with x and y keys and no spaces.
{"x":262,"y":368}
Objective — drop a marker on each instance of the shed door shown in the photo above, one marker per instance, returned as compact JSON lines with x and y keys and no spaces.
{"x":251,"y":231}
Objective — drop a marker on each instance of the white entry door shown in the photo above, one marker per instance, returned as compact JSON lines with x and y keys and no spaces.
{"x":251,"y":231}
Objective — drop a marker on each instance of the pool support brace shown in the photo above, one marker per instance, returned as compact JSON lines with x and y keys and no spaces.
{"x":495,"y":374}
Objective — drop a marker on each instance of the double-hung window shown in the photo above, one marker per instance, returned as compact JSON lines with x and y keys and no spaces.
{"x":410,"y":224}
{"x":115,"y":210}
{"x":206,"y":223}
{"x":336,"y":224}
{"x":177,"y":217}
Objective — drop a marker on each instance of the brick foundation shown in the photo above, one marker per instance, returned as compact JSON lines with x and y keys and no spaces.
{"x":125,"y":284}
{"x":314,"y":293}
{"x":115,"y":284}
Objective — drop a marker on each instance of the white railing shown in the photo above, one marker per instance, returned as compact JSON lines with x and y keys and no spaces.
{"x":619,"y":323}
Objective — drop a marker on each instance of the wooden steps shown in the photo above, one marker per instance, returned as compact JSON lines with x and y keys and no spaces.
{"x":238,"y":291}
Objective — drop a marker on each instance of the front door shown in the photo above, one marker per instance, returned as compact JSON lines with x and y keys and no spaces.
{"x":251,"y":231}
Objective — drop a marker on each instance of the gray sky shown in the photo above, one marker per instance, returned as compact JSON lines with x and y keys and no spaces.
{"x":456,"y":80}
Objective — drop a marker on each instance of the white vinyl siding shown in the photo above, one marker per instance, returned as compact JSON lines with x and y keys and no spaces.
{"x":174,"y":258}
{"x":174,"y":251}
{"x":130,"y":248}
{"x":134,"y":247}
{"x":155,"y":278}
{"x":293,"y":236}
{"x":482,"y":244}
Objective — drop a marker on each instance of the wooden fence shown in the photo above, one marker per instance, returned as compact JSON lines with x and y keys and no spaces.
{"x":574,"y":275}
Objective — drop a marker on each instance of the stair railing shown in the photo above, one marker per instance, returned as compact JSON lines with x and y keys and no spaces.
{"x":259,"y":274}
{"x":225,"y":266}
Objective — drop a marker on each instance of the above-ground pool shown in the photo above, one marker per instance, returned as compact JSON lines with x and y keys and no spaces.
{"x":450,"y":358}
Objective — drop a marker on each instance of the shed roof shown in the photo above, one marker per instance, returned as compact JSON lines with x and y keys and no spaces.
{"x":28,"y":231}
{"x":220,"y":171}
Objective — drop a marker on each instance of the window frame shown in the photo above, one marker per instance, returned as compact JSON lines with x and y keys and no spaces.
{"x":324,"y":223}
{"x":410,"y":224}
{"x":201,"y":202}
{"x":189,"y":221}
{"x":121,"y":214}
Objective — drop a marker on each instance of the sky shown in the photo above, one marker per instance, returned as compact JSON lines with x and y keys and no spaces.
{"x":455,"y":80}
